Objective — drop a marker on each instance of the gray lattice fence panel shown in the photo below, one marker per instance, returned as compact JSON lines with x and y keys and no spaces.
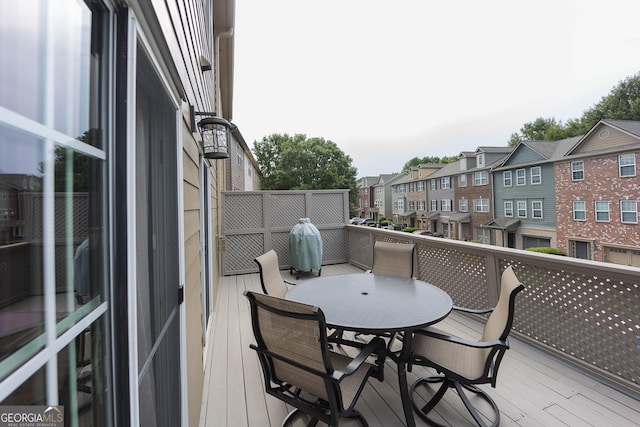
{"x":286,"y":209}
{"x":585,"y":312}
{"x":14,"y":270}
{"x":255,"y":222}
{"x":327,"y":208}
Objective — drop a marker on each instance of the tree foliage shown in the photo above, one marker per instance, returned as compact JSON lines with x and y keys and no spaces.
{"x":300,"y":163}
{"x":427,"y":160}
{"x":622,"y":103}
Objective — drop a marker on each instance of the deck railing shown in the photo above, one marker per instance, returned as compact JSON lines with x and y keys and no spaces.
{"x":586,"y":313}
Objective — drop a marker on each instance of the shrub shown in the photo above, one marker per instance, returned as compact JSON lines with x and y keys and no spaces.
{"x":410,"y":229}
{"x":546,"y":250}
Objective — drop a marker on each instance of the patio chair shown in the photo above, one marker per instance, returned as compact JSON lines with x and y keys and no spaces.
{"x":299,"y":368}
{"x":393,"y":259}
{"x":464,"y":364}
{"x":270,"y":278}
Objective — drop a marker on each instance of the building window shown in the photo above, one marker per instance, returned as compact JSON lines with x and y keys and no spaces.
{"x":434,"y":205}
{"x":480,"y":159}
{"x":579,"y":210}
{"x":522,"y":208}
{"x":536,"y":175}
{"x":508,"y":209}
{"x":463,"y":205}
{"x":627,"y":163}
{"x":445,"y":183}
{"x":480,"y":178}
{"x":54,"y":135}
{"x":462,"y":180}
{"x":432,"y":184}
{"x":239,"y":154}
{"x":577,"y":171}
{"x":421,"y":204}
{"x":412,"y":206}
{"x":507,"y":178}
{"x":536,"y":209}
{"x":446,"y":205}
{"x":411,"y":187}
{"x":629,"y":211}
{"x":420,"y":186}
{"x":481,"y":205}
{"x":401,"y":205}
{"x":602,"y":211}
{"x":521,"y":177}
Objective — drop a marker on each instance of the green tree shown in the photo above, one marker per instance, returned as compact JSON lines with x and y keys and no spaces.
{"x":300,"y":163}
{"x":427,"y":160}
{"x":622,"y":103}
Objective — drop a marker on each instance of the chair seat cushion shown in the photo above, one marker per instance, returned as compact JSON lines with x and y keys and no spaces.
{"x":467,"y":362}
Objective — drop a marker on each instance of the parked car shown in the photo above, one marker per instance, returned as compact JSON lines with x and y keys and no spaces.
{"x":386,"y":225}
{"x":366,"y":221}
{"x":355,"y":220}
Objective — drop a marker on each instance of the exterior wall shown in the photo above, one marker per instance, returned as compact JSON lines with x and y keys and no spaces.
{"x":235,"y":168}
{"x":415,"y":196}
{"x":192,"y":254}
{"x":601,"y":182}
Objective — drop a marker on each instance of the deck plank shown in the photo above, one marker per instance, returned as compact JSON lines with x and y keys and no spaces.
{"x":533,"y":388}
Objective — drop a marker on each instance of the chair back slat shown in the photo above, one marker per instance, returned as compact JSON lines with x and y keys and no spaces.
{"x":393,"y":259}
{"x":500,"y":321}
{"x":272,"y":283}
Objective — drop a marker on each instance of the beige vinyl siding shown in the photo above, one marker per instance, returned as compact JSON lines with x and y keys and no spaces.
{"x":595,"y":142}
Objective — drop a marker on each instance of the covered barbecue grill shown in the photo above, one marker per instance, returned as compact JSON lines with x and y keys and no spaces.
{"x":305,"y":248}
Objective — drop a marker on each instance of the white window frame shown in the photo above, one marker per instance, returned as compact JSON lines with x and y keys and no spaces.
{"x":421,"y":205}
{"x":626,"y":161}
{"x":577,"y":167}
{"x":463,"y":205}
{"x":432,"y":184}
{"x":507,"y":179}
{"x":521,"y":180}
{"x":446,"y":205}
{"x":480,"y":178}
{"x":624,"y":210}
{"x":481,"y":205}
{"x":536,"y":212}
{"x":521,"y":205}
{"x":508,"y":208}
{"x":434,"y":205}
{"x":420,"y":186}
{"x":480,"y":159}
{"x":599,"y":209}
{"x":445,"y":183}
{"x":576,"y":210}
{"x":536,"y":175}
{"x":462,"y":180}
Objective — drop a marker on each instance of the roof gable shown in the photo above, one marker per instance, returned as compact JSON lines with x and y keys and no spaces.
{"x":608,"y":136}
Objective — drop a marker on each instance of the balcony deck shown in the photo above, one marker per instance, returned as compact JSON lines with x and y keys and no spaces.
{"x":533,"y":389}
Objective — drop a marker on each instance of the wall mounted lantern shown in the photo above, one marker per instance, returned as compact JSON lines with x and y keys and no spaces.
{"x":215,"y":136}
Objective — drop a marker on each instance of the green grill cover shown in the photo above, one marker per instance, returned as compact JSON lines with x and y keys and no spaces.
{"x":305,"y":246}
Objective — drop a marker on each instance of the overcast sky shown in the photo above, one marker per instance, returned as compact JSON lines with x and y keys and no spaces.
{"x":391,"y":80}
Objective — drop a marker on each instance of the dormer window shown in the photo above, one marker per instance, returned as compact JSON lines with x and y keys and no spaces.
{"x":463,"y":164}
{"x":480,"y":160}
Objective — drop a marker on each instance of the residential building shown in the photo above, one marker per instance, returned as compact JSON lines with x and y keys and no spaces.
{"x":440,"y":197}
{"x":597,"y":193}
{"x":365,"y":196}
{"x":113,"y":259}
{"x":417,"y":195}
{"x":243,"y":173}
{"x":382,"y":201}
{"x":524,"y":189}
{"x":399,"y":199}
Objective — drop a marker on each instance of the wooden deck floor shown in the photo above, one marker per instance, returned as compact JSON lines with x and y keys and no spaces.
{"x":533,"y":389}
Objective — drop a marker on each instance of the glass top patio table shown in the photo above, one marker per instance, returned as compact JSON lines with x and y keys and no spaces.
{"x":373,"y":303}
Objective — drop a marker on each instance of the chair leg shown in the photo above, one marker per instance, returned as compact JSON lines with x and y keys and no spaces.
{"x":472,"y":410}
{"x":293,"y":414}
{"x":422,"y":412}
{"x":446,"y":384}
